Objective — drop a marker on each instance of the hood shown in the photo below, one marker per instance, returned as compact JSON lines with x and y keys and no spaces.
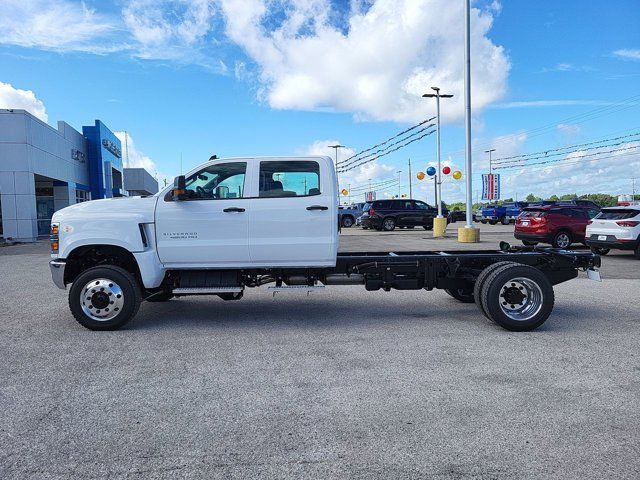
{"x":141,"y":207}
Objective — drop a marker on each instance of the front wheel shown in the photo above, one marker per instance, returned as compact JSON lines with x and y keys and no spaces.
{"x":104,"y":298}
{"x":600,"y":250}
{"x":517,"y":297}
{"x":505,"y":221}
{"x":347,"y":222}
{"x":389,"y":224}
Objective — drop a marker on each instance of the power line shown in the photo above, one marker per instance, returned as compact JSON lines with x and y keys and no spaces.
{"x":413,"y":127}
{"x":578,"y":147}
{"x":382,"y":154}
{"x":574,"y":158}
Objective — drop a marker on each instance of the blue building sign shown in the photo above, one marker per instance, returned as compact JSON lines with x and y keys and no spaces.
{"x":105,"y":161}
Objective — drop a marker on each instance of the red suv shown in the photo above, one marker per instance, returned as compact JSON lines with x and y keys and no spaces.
{"x":555,"y":224}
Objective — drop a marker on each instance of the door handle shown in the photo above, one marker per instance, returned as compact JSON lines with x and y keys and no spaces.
{"x":317,"y":207}
{"x":233,"y":209}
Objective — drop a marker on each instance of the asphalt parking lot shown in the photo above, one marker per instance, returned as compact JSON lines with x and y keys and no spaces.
{"x":341,"y":384}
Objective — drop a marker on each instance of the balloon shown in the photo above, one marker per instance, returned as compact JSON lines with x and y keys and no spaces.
{"x":345,"y":192}
{"x":431,"y":171}
{"x":420,"y":175}
{"x":404,"y":195}
{"x":446,"y":170}
{"x":457,"y":174}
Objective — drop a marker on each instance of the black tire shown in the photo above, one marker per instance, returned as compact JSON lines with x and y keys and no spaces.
{"x":561,"y":238}
{"x":365,"y":228}
{"x":529,"y":243}
{"x":506,"y":285}
{"x":231,"y":296}
{"x":477,"y":286}
{"x":109,"y":280}
{"x":410,"y":227}
{"x":428,"y":227}
{"x":636,"y":252}
{"x":505,"y":221}
{"x":461,"y":294}
{"x":389,"y":224}
{"x":600,"y":250}
{"x":483,"y":221}
{"x":163,"y":296}
{"x":492,"y":222}
{"x":348,"y":221}
{"x":400,"y":227}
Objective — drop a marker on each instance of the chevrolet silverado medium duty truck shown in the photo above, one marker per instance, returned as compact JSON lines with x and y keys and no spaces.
{"x":239,"y":223}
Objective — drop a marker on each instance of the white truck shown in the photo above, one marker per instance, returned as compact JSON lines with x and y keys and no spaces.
{"x":240,"y":223}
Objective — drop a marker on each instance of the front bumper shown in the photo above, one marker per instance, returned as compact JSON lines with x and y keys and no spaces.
{"x":57,"y":273}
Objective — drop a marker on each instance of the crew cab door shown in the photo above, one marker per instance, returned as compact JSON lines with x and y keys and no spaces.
{"x":209,"y":228}
{"x":293,"y":221}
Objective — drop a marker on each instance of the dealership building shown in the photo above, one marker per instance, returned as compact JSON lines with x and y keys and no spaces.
{"x":43,"y":169}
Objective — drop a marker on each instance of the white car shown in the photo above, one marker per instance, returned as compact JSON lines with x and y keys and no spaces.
{"x":615,"y":228}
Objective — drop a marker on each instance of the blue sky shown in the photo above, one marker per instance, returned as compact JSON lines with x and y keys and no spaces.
{"x":190,"y":79}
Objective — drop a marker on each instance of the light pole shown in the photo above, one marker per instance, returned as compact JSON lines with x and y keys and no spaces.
{"x":467,"y":114}
{"x":335,"y":148}
{"x":399,"y":172}
{"x":410,"y":181}
{"x":490,"y":151}
{"x":438,"y":96}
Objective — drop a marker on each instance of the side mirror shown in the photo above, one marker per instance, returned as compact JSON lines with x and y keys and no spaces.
{"x":179,"y":189}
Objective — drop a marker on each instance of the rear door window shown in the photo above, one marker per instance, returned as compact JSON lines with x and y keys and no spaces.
{"x":533,"y":213}
{"x":289,"y":179}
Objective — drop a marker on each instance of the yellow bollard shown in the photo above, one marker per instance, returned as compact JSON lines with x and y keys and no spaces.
{"x":468,"y":235}
{"x":439,"y":227}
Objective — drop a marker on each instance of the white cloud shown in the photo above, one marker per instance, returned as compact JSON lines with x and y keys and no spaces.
{"x":548,"y":103}
{"x":11,"y":97}
{"x":569,"y":129}
{"x":627,"y":54}
{"x":134,"y":158}
{"x":378,"y":67}
{"x":60,"y":25}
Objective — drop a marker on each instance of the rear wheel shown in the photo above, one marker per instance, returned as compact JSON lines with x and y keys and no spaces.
{"x":505,"y":221}
{"x":600,"y":250}
{"x":104,"y":298}
{"x":517,"y":297}
{"x":562,"y":239}
{"x":477,"y":287}
{"x":389,"y":224}
{"x":463,"y":295}
{"x":492,"y":222}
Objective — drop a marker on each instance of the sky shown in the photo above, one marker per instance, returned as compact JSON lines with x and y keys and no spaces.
{"x":189,"y":79}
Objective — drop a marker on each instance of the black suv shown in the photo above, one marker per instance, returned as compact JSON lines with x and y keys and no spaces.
{"x":389,"y":214}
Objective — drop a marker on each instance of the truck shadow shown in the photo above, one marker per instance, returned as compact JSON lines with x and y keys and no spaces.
{"x":369,"y":310}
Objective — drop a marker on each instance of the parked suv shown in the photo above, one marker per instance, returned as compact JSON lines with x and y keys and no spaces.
{"x":617,"y":228}
{"x":389,"y":214}
{"x":555,"y":224}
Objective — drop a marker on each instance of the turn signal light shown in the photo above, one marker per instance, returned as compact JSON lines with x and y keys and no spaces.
{"x":54,"y":237}
{"x":627,"y":223}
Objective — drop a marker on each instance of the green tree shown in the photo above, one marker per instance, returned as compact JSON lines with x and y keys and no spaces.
{"x":554,"y":198}
{"x":532,"y":198}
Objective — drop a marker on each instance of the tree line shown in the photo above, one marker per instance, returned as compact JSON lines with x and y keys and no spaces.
{"x":602,"y":199}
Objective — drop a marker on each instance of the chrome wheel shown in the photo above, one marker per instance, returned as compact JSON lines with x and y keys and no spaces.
{"x":521,"y":299}
{"x":101,"y":299}
{"x":389,"y":224}
{"x":563,"y":240}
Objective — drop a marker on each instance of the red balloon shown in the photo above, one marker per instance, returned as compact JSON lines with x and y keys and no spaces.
{"x":446,"y":170}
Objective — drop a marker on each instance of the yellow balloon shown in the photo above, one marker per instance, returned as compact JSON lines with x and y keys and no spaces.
{"x":345,"y":192}
{"x":457,"y":174}
{"x":420,"y":175}
{"x":404,"y":195}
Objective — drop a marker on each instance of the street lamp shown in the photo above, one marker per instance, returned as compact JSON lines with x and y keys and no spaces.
{"x":336,"y":147}
{"x":399,"y":172}
{"x":490,"y":151}
{"x":438,"y":96}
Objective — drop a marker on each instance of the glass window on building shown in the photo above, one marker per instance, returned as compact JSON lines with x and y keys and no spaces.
{"x":82,"y":196}
{"x":44,"y":206}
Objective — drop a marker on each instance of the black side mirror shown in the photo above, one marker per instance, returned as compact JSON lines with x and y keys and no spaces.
{"x":179,"y":189}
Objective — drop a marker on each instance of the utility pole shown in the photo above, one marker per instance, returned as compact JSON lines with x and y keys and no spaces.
{"x":633,"y":188}
{"x":410,"y":181}
{"x":335,"y":148}
{"x":467,"y":109}
{"x":438,"y":96}
{"x":349,"y":187}
{"x":490,"y":151}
